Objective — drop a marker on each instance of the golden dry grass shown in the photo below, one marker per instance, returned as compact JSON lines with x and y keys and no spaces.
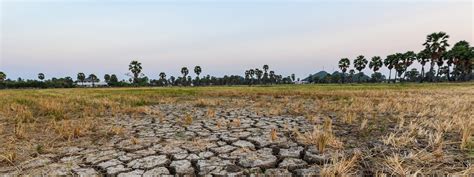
{"x":433,"y":122}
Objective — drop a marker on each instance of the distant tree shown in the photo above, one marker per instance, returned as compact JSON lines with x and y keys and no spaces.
{"x":163,"y":78}
{"x":359,"y":63}
{"x":272,"y":77}
{"x":3,"y":76}
{"x":375,"y":63}
{"x":251,"y":73}
{"x":390,"y":62}
{"x":293,"y":77}
{"x":93,"y":78}
{"x":412,"y":75}
{"x":265,"y":68}
{"x":265,"y":74}
{"x":172,"y":80}
{"x":41,"y":76}
{"x":407,"y":59}
{"x":462,"y":55}
{"x":136,"y":68}
{"x":351,"y":74}
{"x":344,"y":63}
{"x":436,"y":45}
{"x":107,"y":78}
{"x":185,"y":72}
{"x":197,"y":70}
{"x":259,"y":74}
{"x":423,"y":57}
{"x":113,"y":79}
{"x":81,"y":77}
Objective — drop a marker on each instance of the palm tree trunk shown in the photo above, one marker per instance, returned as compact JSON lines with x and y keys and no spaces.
{"x":422,"y":73}
{"x":389,"y":75}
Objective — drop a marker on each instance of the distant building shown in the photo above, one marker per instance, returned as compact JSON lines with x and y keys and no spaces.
{"x":301,"y":82}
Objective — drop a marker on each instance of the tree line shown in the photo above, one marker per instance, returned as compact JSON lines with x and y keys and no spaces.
{"x":455,"y":64}
{"x":137,"y":78}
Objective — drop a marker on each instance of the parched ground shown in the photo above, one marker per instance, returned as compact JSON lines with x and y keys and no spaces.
{"x":240,"y":131}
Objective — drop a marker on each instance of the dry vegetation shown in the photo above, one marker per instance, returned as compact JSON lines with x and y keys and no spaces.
{"x":396,"y":129}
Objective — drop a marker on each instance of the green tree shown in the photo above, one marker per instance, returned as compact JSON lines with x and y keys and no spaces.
{"x":293,"y":77}
{"x":93,"y":78}
{"x":136,"y":68}
{"x":113,"y":79}
{"x":344,"y":64}
{"x":107,"y":78}
{"x":163,"y":78}
{"x":390,"y":62}
{"x":3,"y":76}
{"x":462,"y":55}
{"x":185,"y":72}
{"x":259,"y":74}
{"x":360,"y":63}
{"x":197,"y":70}
{"x":81,"y":77}
{"x":422,"y":57}
{"x":436,"y":45}
{"x":41,"y":76}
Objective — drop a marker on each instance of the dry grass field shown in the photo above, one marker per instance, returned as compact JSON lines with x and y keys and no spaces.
{"x":380,"y":129}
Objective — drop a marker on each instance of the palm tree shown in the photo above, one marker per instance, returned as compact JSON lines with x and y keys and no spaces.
{"x":408,"y":58}
{"x":436,"y":45}
{"x":93,"y":79}
{"x":185,"y":72}
{"x":272,"y":76}
{"x":344,"y":63}
{"x":41,"y":76}
{"x":259,"y":74}
{"x":390,"y":62}
{"x":252,"y":73}
{"x":163,"y":77}
{"x":265,"y":73}
{"x":113,"y":78}
{"x":293,"y":77}
{"x":107,"y":78}
{"x":422,"y":57}
{"x":81,"y":77}
{"x":136,"y":68}
{"x":359,"y":63}
{"x":3,"y":76}
{"x":375,"y":63}
{"x":197,"y":70}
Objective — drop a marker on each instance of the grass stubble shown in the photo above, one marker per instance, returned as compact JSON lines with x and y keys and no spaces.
{"x":387,"y":129}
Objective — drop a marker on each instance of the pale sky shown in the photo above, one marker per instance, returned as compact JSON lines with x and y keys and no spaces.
{"x":62,"y":38}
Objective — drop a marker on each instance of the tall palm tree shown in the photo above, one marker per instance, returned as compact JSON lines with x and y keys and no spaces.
{"x":272,"y":76}
{"x":197,"y":70}
{"x":375,"y":63}
{"x":81,"y":77}
{"x":360,"y":62}
{"x":41,"y":76}
{"x":423,"y":57}
{"x":390,"y":62}
{"x":163,"y":77}
{"x":93,"y":79}
{"x":3,"y":76}
{"x":247,"y":76}
{"x":265,"y":73}
{"x":107,"y":78}
{"x":436,"y":45}
{"x":184,"y":72}
{"x":259,"y":74}
{"x":344,"y":63}
{"x":408,"y":58}
{"x":136,"y":68}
